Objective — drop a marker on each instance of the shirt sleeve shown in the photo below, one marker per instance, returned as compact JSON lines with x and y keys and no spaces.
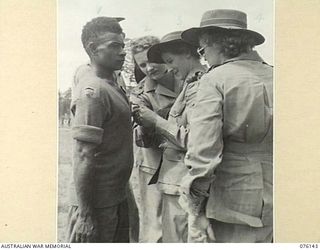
{"x":205,"y":143}
{"x":90,"y":113}
{"x":172,"y":132}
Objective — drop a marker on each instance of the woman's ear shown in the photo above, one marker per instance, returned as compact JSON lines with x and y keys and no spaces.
{"x":206,"y":39}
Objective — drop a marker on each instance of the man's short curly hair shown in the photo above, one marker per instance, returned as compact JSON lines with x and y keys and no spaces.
{"x":99,"y":26}
{"x":232,"y":43}
{"x":143,"y":43}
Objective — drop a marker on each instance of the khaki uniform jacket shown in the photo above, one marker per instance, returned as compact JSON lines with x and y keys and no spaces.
{"x":230,"y":141}
{"x":175,"y":132}
{"x":159,"y":99}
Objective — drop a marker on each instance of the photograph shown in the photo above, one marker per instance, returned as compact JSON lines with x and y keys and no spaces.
{"x":165,"y":121}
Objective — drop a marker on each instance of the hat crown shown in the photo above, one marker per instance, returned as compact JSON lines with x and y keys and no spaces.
{"x":224,"y":18}
{"x":176,"y":35}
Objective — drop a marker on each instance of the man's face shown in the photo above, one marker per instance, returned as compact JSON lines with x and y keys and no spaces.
{"x":154,"y":70}
{"x":110,"y":53}
{"x":180,"y":64}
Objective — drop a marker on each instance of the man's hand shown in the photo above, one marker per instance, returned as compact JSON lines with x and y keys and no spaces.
{"x":85,"y":230}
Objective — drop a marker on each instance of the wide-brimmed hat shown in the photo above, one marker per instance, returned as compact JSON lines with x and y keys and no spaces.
{"x":154,"y":53}
{"x":221,"y":20}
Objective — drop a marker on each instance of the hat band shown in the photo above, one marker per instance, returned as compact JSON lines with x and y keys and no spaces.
{"x":171,"y":36}
{"x":223,"y":22}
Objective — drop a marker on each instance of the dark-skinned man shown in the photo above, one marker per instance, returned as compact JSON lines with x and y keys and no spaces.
{"x":102,"y":139}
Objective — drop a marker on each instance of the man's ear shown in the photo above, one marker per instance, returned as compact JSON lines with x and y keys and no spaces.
{"x":91,"y":48}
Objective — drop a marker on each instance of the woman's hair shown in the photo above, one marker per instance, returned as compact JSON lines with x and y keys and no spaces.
{"x":138,"y":74}
{"x":232,"y":43}
{"x":143,"y":43}
{"x":179,"y":48}
{"x":138,"y":45}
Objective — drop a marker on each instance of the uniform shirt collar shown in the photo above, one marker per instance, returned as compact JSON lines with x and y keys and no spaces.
{"x":151,"y":85}
{"x":252,"y":56}
{"x":165,"y":91}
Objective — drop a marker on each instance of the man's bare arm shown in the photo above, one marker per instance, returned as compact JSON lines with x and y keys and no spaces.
{"x":83,"y":172}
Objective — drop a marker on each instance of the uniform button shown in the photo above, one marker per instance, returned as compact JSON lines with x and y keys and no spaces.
{"x":189,"y":167}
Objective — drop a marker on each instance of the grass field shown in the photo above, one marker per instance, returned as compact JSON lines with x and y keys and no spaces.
{"x":63,"y":181}
{"x":64,"y":175}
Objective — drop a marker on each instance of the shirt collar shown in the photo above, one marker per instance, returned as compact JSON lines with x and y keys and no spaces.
{"x":149,"y":84}
{"x":165,"y":91}
{"x":152,"y":85}
{"x":252,"y":56}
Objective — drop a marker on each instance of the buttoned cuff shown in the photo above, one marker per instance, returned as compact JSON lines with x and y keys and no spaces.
{"x":87,"y":133}
{"x":200,"y":185}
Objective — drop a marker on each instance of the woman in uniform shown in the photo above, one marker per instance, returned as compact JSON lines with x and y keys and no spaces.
{"x":183,"y":60}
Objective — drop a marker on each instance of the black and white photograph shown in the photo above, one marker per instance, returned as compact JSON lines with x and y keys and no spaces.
{"x":165,"y":121}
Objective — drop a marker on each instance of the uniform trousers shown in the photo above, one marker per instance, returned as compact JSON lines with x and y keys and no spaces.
{"x":112,"y":223}
{"x":150,"y":210}
{"x":174,"y":220}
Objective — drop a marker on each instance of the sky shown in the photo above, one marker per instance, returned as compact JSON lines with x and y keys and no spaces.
{"x":149,"y":17}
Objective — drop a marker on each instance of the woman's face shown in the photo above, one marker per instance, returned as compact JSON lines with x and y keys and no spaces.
{"x":154,"y":70}
{"x":180,"y":64}
{"x":212,"y":53}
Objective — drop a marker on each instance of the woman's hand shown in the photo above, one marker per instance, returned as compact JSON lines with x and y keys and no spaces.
{"x":200,"y":229}
{"x":144,"y":116}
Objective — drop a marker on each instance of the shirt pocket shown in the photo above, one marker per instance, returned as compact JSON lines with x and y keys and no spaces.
{"x":240,"y":173}
{"x":173,"y":168}
{"x":240,"y":184}
{"x":176,"y":113}
{"x":173,"y":155}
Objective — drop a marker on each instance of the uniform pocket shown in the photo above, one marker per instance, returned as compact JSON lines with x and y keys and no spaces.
{"x":239,"y":173}
{"x":173,"y":155}
{"x":240,"y":184}
{"x":176,"y":113}
{"x":177,"y":109}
